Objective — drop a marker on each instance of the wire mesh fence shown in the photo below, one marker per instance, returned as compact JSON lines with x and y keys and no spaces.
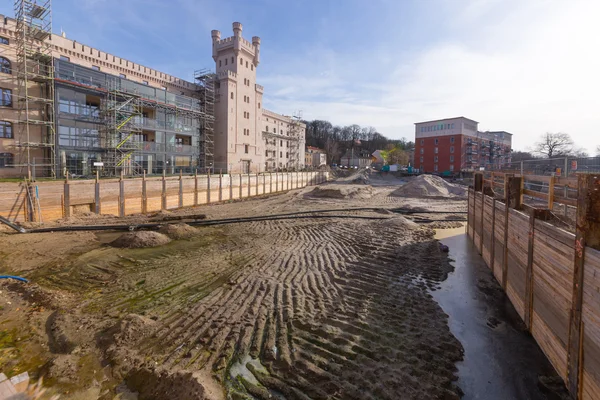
{"x":560,"y":166}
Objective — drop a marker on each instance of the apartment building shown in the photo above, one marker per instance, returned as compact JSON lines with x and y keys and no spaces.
{"x":455,"y":144}
{"x":315,"y":157}
{"x":248,"y":137}
{"x":69,"y":108}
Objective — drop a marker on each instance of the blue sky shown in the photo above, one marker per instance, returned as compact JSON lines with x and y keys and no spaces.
{"x":524,"y":66}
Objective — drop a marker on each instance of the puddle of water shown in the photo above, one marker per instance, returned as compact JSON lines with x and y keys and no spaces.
{"x":240,"y":369}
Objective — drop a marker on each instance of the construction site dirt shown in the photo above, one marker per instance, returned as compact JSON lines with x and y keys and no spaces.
{"x":336,"y":307}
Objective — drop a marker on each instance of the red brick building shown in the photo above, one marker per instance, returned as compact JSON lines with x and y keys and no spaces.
{"x":455,"y":144}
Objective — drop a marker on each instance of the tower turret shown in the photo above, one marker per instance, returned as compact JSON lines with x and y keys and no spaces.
{"x":216,"y":36}
{"x":237,"y":38}
{"x":256,"y":44}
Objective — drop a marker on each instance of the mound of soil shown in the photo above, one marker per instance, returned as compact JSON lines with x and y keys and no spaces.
{"x":135,"y":240}
{"x":342,"y":192}
{"x":430,"y":186}
{"x":178,"y":231}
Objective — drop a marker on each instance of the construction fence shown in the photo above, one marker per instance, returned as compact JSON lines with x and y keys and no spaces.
{"x":551,"y":275}
{"x":556,"y":166}
{"x":50,"y":201}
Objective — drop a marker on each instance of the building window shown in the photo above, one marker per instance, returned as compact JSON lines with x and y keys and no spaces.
{"x":422,"y":142}
{"x":241,"y":61}
{"x":281,"y":154}
{"x":3,"y":40}
{"x":452,"y":126}
{"x":435,"y":150}
{"x":436,"y":141}
{"x":6,"y":130}
{"x":246,"y":64}
{"x":6,"y":160}
{"x":451,"y":158}
{"x":5,"y":66}
{"x":451,"y":167}
{"x":281,"y":143}
{"x":145,"y":83}
{"x":226,"y":61}
{"x":435,"y":167}
{"x":220,"y":62}
{"x":287,"y":154}
{"x":246,"y":148}
{"x":422,"y":150}
{"x":251,"y":67}
{"x":435,"y":159}
{"x":231,"y":96}
{"x":259,"y":106}
{"x":95,"y":68}
{"x":451,"y":149}
{"x":5,"y":97}
{"x":451,"y":139}
{"x":65,"y":58}
{"x":421,"y":159}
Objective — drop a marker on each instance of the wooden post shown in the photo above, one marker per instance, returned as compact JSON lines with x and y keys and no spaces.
{"x":121,"y":196}
{"x":264,"y":183}
{"x":180,"y":203}
{"x":481,"y":221}
{"x":478,"y":182}
{"x":196,"y":188}
{"x":551,"y":193}
{"x":270,"y":182}
{"x":507,"y":193}
{"x":97,"y":205}
{"x":208,"y":187}
{"x":230,"y":186}
{"x":163,"y":195}
{"x":528,"y":300}
{"x":515,"y":188}
{"x":67,"y":198}
{"x":241,"y":183}
{"x":587,"y":233}
{"x":220,"y":187}
{"x":493,"y":244}
{"x":144,"y":194}
{"x":249,"y":184}
{"x":276,"y":181}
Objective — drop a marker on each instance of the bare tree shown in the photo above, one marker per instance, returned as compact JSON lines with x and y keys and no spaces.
{"x":554,"y":144}
{"x":332,"y":149}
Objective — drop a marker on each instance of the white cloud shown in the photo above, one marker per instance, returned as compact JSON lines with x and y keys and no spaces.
{"x":526,"y":67}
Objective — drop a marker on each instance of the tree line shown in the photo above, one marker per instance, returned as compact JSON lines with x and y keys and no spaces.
{"x":552,"y":145}
{"x":337,"y":140}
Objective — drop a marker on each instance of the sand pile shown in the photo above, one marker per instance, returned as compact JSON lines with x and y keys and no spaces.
{"x":342,"y":192}
{"x":135,"y":240}
{"x":430,"y":186}
{"x":178,"y":231}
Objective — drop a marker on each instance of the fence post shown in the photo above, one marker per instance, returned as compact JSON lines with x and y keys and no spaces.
{"x":230,"y":186}
{"x":264,"y":183}
{"x":249,"y":185}
{"x":67,"y":198}
{"x":196,"y":188}
{"x":551,"y":193}
{"x":121,"y":196}
{"x":144,"y":194}
{"x":276,"y":181}
{"x":587,"y":233}
{"x":97,"y":205}
{"x":509,"y":194}
{"x":493,"y":244}
{"x":163,"y":194}
{"x":220,"y":187}
{"x":180,"y":202}
{"x":240,"y":185}
{"x":521,"y":168}
{"x":208,"y":187}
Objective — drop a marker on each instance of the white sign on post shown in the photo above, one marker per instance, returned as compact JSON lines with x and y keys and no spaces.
{"x":98,"y":164}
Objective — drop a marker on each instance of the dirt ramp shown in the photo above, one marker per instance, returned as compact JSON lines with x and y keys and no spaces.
{"x":430,"y":186}
{"x":342,"y":192}
{"x":136,"y":240}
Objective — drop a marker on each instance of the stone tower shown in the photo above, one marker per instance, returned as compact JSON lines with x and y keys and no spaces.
{"x":239,"y":145}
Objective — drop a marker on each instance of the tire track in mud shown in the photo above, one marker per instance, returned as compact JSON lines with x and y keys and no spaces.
{"x":333,"y":310}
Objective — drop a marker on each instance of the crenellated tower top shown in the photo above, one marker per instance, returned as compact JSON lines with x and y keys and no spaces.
{"x":236,"y":43}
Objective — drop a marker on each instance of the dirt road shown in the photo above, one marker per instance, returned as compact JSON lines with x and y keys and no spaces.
{"x":303,"y":309}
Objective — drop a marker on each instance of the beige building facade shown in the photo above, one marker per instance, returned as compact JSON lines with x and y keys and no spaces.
{"x":168,"y":139}
{"x":249,"y":138}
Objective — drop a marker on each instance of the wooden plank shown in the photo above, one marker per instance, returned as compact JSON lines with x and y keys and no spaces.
{"x":121,"y":196}
{"x":551,"y":193}
{"x":536,"y":194}
{"x":67,"y":199}
{"x":507,"y":200}
{"x":493,"y":238}
{"x":163,"y":195}
{"x":97,"y":202}
{"x":591,"y":325}
{"x":587,"y":233}
{"x":144,"y":194}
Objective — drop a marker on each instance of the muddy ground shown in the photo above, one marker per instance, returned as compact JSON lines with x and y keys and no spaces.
{"x":328,"y":308}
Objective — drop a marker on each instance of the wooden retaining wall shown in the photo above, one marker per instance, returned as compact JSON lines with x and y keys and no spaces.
{"x":59,"y":199}
{"x":551,"y":276}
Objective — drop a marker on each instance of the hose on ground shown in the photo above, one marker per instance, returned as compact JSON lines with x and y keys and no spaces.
{"x":18,"y":278}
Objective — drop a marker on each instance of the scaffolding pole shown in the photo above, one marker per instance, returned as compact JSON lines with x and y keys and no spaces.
{"x":35,"y":69}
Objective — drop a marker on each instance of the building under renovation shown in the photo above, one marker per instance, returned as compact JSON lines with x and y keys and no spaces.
{"x":68,"y":108}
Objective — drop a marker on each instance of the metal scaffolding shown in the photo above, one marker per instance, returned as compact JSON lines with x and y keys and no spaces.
{"x":35,"y":85}
{"x":295,"y":131}
{"x":206,"y":91}
{"x":122,"y":115}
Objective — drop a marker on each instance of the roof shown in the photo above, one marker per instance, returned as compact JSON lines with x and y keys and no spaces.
{"x":445,"y":119}
{"x":495,"y":132}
